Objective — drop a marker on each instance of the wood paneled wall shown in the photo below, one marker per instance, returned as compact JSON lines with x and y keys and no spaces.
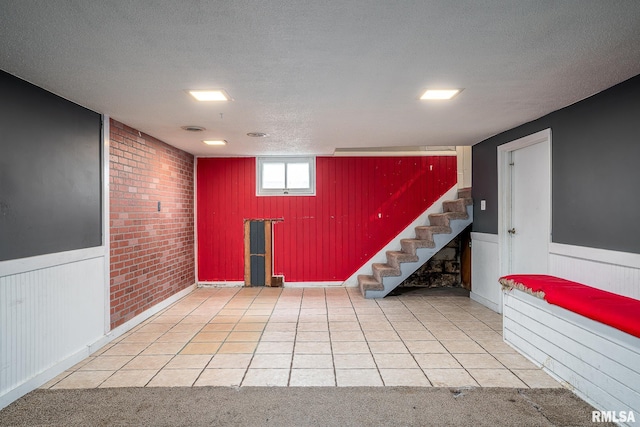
{"x":361,"y":203}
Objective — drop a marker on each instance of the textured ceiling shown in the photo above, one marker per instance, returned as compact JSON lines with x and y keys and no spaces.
{"x":320,"y":75}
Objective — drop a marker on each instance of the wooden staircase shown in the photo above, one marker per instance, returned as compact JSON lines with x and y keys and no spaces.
{"x":456,"y":215}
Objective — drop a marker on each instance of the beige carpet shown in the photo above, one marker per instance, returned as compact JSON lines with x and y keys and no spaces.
{"x":293,"y":406}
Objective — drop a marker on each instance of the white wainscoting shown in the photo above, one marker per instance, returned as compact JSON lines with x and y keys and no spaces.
{"x":51,"y":310}
{"x":599,"y":363}
{"x":485,"y":288}
{"x":617,"y":272}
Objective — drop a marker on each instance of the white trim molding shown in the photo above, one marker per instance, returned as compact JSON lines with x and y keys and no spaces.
{"x":42,"y":262}
{"x":106,"y":218}
{"x":315,"y":284}
{"x":623,"y":259}
{"x":485,"y":288}
{"x":612,"y":271}
{"x":505,"y":190}
{"x":484,"y":237}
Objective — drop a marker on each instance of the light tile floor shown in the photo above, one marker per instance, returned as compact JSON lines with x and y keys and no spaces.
{"x":310,"y":337}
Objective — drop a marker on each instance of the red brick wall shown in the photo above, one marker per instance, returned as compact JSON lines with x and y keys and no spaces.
{"x":152,"y":253}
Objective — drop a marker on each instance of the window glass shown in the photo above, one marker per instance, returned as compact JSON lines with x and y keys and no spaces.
{"x":273,"y":175}
{"x":285,"y":176}
{"x":297,"y":175}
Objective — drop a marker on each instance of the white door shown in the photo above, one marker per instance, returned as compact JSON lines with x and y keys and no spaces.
{"x":524,"y":218}
{"x":528,"y":230}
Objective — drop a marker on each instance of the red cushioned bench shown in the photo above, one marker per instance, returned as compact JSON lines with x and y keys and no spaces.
{"x":618,"y":311}
{"x":586,"y":338}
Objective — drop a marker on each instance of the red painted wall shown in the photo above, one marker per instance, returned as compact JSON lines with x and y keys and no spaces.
{"x":361,"y":203}
{"x":152,"y":253}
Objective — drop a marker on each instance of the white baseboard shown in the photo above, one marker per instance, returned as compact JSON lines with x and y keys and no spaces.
{"x":127,"y":326}
{"x":314,"y":284}
{"x":225,"y":284}
{"x":239,"y":284}
{"x":485,"y":288}
{"x":484,"y":301}
{"x":42,"y":378}
{"x":484,"y":237}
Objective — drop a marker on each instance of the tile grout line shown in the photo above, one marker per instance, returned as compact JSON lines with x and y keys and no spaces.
{"x":333,"y":362}
{"x":413,"y":356}
{"x":399,"y":308}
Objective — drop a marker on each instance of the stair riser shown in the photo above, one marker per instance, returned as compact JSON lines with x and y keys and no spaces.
{"x":423,"y":234}
{"x":454,"y":206}
{"x":439,"y":220}
{"x":412,"y":245}
{"x":444,"y":219}
{"x":464,"y":193}
{"x":427,"y":232}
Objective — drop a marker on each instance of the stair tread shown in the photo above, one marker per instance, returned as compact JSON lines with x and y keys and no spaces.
{"x":367,"y":282}
{"x":402,"y":256}
{"x":419,"y":242}
{"x":380,"y":271}
{"x":457,"y":215}
{"x":452,"y":215}
{"x":383,"y":265}
{"x":434,"y":229}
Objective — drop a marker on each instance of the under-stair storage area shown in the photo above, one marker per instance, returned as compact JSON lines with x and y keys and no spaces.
{"x":454,"y":217}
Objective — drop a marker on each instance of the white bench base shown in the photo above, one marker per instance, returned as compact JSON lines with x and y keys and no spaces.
{"x":599,"y":363}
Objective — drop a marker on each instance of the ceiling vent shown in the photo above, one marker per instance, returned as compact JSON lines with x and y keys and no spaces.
{"x":193,"y":128}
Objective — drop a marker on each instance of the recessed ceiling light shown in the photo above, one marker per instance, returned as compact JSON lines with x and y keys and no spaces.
{"x":210,"y":95}
{"x":440,"y":93}
{"x":257,"y":134}
{"x":215,"y":142}
{"x":192,"y":128}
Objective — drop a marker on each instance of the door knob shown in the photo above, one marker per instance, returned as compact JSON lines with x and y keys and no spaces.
{"x":512,"y":231}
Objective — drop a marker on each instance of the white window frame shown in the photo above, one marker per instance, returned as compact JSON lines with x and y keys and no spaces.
{"x":311,"y":191}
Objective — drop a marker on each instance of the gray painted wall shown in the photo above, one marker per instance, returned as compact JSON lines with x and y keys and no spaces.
{"x":50,"y":172}
{"x":595,"y":150}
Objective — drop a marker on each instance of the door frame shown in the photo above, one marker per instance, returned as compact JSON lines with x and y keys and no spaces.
{"x":268,"y":247}
{"x":504,"y":194}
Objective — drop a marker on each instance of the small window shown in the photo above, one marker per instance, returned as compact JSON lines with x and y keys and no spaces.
{"x":286,"y":176}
